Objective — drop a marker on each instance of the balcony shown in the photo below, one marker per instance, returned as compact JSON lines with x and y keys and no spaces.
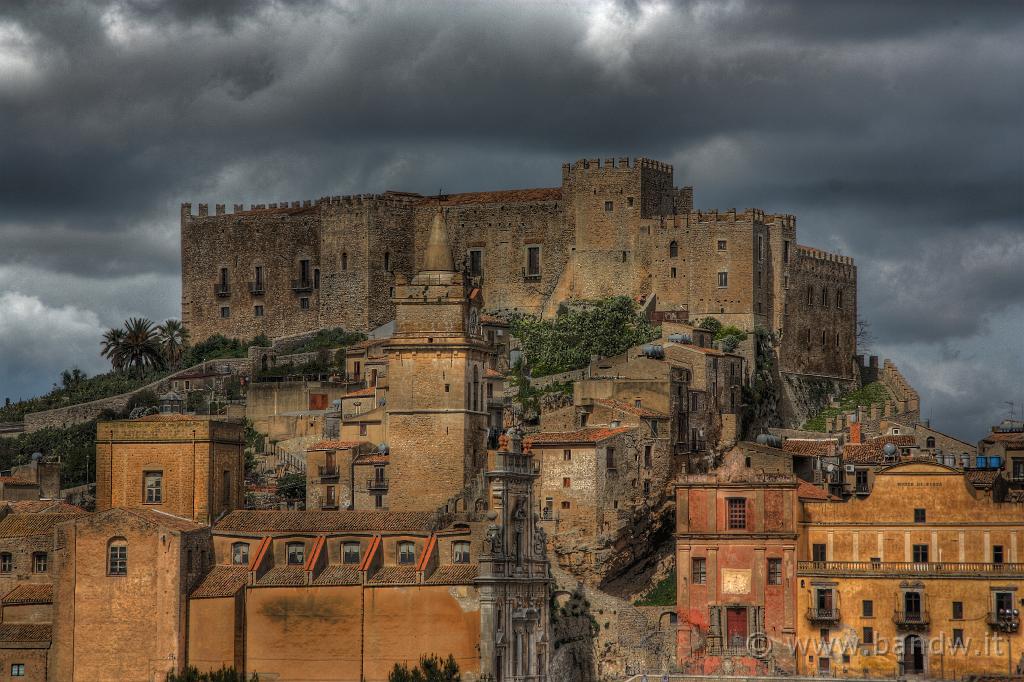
{"x":911,"y":620}
{"x":909,"y":568}
{"x":376,"y":483}
{"x":302,"y":285}
{"x":222,"y":290}
{"x":1004,"y":620}
{"x":257,"y":288}
{"x":328,"y":470}
{"x":823,"y":615}
{"x":547,"y":514}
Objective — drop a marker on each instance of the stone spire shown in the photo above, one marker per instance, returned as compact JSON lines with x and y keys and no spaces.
{"x":438,"y":257}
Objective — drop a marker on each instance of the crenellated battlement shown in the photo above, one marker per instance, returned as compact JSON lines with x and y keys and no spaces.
{"x":388,"y":199}
{"x":615,"y":164}
{"x":818,"y":254}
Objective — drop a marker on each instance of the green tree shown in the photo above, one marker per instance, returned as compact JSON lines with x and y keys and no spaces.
{"x":71,"y":379}
{"x":140,"y":347}
{"x":292,"y":486}
{"x":173,"y":339}
{"x":430,"y":669}
{"x":111,"y":344}
{"x":225,"y":674}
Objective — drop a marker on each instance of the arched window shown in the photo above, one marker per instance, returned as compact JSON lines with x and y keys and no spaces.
{"x":344,"y":260}
{"x":387,"y":261}
{"x":240,"y":553}
{"x":6,"y":562}
{"x":930,"y":442}
{"x":460,"y":552}
{"x":117,"y":556}
{"x":839,"y":298}
{"x":406,"y":553}
{"x":296,"y":553}
{"x":673,"y":249}
{"x":824,"y":296}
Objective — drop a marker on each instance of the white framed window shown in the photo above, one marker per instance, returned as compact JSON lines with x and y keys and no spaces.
{"x":117,"y":557}
{"x":723,"y":280}
{"x":153,"y":487}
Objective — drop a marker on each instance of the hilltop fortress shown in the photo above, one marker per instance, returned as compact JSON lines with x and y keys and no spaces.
{"x":617,"y":227}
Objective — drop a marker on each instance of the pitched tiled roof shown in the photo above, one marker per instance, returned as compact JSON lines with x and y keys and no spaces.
{"x":631,"y":409}
{"x":171,"y":417}
{"x":333,"y":445}
{"x":162,"y":518}
{"x":394,"y":575}
{"x":15,"y":480}
{"x":507,"y":196}
{"x":26,"y":525}
{"x":454,"y":574}
{"x":981,"y":478}
{"x":44,"y":507}
{"x":807,"y":446}
{"x":493,"y":320}
{"x":809,"y":491}
{"x":283,"y":576}
{"x":903,"y":441}
{"x":371,"y":458}
{"x":1013,"y":437}
{"x":339,"y":575}
{"x":249,"y":521}
{"x":221,"y":581}
{"x":492,"y":373}
{"x":361,"y":393}
{"x":22,"y":632}
{"x":30,"y":593}
{"x":590,"y":435}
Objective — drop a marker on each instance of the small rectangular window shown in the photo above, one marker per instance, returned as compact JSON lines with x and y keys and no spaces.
{"x":225,"y":311}
{"x":533,"y":261}
{"x":775,"y":571}
{"x":476,"y":263}
{"x":919,"y":516}
{"x":350,"y":553}
{"x":920,"y":554}
{"x":304,"y":303}
{"x":608,"y":206}
{"x":39,"y":562}
{"x":406,"y":553}
{"x":153,"y":487}
{"x":6,"y":562}
{"x":958,"y":638}
{"x":566,"y":483}
{"x":460,"y":552}
{"x":17,"y":670}
{"x":296,"y":553}
{"x":673,"y":273}
{"x":566,"y":455}
{"x":721,"y":245}
{"x":958,"y":610}
{"x":868,"y":608}
{"x":362,"y":429}
{"x":118,"y":559}
{"x":818,"y":552}
{"x":240,"y":554}
{"x":997,"y":554}
{"x":257,"y":311}
{"x":785,"y":251}
{"x":737,"y":513}
{"x":868,"y":636}
{"x":609,"y":458}
{"x":698,"y":571}
{"x":723,"y":279}
{"x":565,"y":504}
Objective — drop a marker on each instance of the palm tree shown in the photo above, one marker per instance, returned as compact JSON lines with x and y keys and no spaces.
{"x":112,"y":340}
{"x":71,"y":378}
{"x":173,"y":339}
{"x":140,"y":348}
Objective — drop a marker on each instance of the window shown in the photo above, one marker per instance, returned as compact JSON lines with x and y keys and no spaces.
{"x":476,"y":263}
{"x":737,"y":513}
{"x":930,"y":442}
{"x":566,"y":483}
{"x":39,"y":562}
{"x":997,"y":554}
{"x":760,"y":247}
{"x":608,"y":205}
{"x":460,"y":552}
{"x":296,"y":553}
{"x":240,"y":553}
{"x":629,"y":202}
{"x":117,"y":557}
{"x":819,"y":552}
{"x":673,"y":273}
{"x":406,"y":553}
{"x":958,"y":610}
{"x":378,"y":501}
{"x":259,"y":278}
{"x":304,"y":273}
{"x":654,"y":428}
{"x":919,"y":516}
{"x":824,"y":296}
{"x":533,"y":261}
{"x":861,"y":479}
{"x":867,"y":608}
{"x":647,"y":456}
{"x":823,"y":341}
{"x":723,"y":279}
{"x":566,"y":455}
{"x":316,"y":278}
{"x":839,"y":298}
{"x":257,"y":311}
{"x":673,"y":249}
{"x":647,"y":487}
{"x":225,"y":311}
{"x":387,"y":261}
{"x":17,"y":670}
{"x":565,"y":504}
{"x":920,"y":554}
{"x":698,"y":570}
{"x":785,"y":251}
{"x":350,"y":553}
{"x":153,"y":487}
{"x":344,"y":260}
{"x":775,"y":571}
{"x":869,"y":636}
{"x":693,"y":402}
{"x":721,"y":245}
{"x":362,"y":429}
{"x":958,"y":638}
{"x":810,"y":295}
{"x":304,"y":303}
{"x":6,"y":562}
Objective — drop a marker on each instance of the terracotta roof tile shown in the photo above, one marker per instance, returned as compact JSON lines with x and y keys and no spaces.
{"x":371,"y":458}
{"x":454,"y":574}
{"x":161,"y":518}
{"x":282,"y":576}
{"x":508,"y":196}
{"x":221,"y":581}
{"x":30,"y":593}
{"x":904,"y":441}
{"x":632,"y":409}
{"x":334,"y":445}
{"x":254,"y":521}
{"x":590,"y":435}
{"x":15,"y":480}
{"x":492,"y":373}
{"x":493,"y":320}
{"x":1015,"y":437}
{"x":981,"y":478}
{"x":26,"y":525}
{"x":809,"y":491}
{"x":862,"y":453}
{"x":172,"y":417}
{"x":807,"y":446}
{"x":394,"y":575}
{"x":361,"y":393}
{"x":44,"y":507}
{"x":23,"y":632}
{"x":339,"y":575}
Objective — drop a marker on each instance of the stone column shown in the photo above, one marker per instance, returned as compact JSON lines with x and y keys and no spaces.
{"x":789,"y":566}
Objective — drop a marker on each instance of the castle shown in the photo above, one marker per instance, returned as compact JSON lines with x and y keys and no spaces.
{"x":617,"y":227}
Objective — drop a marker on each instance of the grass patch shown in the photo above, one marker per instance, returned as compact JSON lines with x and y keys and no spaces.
{"x":874,"y":393}
{"x":662,"y":594}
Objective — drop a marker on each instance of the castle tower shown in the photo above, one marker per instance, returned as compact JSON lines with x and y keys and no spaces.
{"x":514,"y":575}
{"x":436,"y":409}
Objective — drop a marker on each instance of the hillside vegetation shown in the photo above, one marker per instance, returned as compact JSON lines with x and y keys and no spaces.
{"x":874,"y":393}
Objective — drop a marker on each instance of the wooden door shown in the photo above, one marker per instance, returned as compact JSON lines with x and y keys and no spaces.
{"x":736,"y":627}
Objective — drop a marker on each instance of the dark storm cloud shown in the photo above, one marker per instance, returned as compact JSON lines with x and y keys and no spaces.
{"x":892,"y":130}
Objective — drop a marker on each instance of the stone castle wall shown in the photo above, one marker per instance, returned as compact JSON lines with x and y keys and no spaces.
{"x":606,"y":230}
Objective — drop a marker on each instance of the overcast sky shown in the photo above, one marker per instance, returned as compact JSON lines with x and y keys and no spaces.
{"x":893,"y":130}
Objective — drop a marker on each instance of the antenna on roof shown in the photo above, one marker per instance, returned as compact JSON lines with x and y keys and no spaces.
{"x":1012,"y":405}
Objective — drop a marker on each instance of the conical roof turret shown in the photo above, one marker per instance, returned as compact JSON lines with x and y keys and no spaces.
{"x":438,"y":257}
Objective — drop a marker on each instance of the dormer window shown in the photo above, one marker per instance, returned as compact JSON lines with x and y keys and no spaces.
{"x":296,"y":553}
{"x":406,"y":553}
{"x":460,"y":552}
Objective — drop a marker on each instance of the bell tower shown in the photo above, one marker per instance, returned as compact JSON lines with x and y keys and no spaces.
{"x":436,"y":409}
